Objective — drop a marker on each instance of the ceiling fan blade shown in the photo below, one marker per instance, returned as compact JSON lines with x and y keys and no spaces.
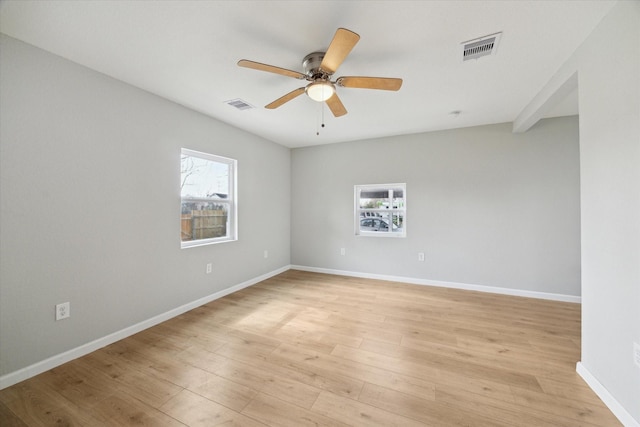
{"x":336,"y":106}
{"x":288,"y":97}
{"x":382,"y":83}
{"x":270,"y":68}
{"x":342,"y":43}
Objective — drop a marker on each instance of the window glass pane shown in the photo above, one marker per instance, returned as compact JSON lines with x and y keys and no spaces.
{"x":368,"y":224}
{"x":398,"y":198}
{"x":204,"y":220}
{"x":203,"y":178}
{"x":374,"y":198}
{"x":380,"y":223}
{"x":398,"y":221}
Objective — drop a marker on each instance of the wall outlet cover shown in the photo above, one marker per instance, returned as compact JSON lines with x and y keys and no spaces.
{"x":63,"y":310}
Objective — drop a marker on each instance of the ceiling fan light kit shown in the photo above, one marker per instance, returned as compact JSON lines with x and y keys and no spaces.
{"x":319,"y":67}
{"x":320,"y":91}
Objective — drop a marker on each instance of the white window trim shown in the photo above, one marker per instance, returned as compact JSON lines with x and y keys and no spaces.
{"x":231,"y":201}
{"x":357,"y":210}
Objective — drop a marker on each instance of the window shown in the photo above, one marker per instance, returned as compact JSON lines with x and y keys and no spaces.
{"x":380,"y":210}
{"x":208,"y":199}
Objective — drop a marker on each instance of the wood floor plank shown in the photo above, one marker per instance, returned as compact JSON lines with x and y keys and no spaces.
{"x":427,"y":411}
{"x":201,"y":357}
{"x":39,"y":405}
{"x":124,"y":410}
{"x":497,"y":389}
{"x":506,"y":357}
{"x":194,"y":410}
{"x":227,"y":393}
{"x":570,"y":386}
{"x":406,"y":382}
{"x":358,"y":413}
{"x":419,"y":330}
{"x":126,"y":379}
{"x":418,"y":369}
{"x":545,"y":409}
{"x":320,"y":378}
{"x":78,"y":384}
{"x":8,"y":418}
{"x":305,"y":348}
{"x":277,"y":413}
{"x":500,"y":410}
{"x":583,"y":412}
{"x":180,"y":373}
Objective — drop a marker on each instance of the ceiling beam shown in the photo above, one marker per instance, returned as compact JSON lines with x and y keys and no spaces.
{"x":554,"y":92}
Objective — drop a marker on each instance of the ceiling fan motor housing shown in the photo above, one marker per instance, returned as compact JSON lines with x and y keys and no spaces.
{"x":311,"y":65}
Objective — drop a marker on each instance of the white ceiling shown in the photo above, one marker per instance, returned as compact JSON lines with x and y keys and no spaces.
{"x":187,"y":51}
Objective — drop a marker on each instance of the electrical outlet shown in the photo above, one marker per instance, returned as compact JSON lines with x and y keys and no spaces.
{"x":343,"y":251}
{"x":63,"y":310}
{"x":420,"y":256}
{"x":209,"y":268}
{"x":636,"y":353}
{"x":266,"y":254}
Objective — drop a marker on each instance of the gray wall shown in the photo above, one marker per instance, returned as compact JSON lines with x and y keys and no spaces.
{"x":90,"y":210}
{"x":486,"y":206}
{"x":608,"y":66}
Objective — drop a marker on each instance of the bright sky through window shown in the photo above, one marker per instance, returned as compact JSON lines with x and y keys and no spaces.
{"x":203,"y":178}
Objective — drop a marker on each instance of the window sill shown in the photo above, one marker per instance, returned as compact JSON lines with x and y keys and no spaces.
{"x":381,"y":234}
{"x":204,"y":242}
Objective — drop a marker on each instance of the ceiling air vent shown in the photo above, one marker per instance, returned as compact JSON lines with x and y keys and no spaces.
{"x":239,"y":104}
{"x":483,"y":46}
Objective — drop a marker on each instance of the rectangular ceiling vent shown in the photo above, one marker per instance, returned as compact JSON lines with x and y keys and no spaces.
{"x":239,"y":104}
{"x":483,"y":46}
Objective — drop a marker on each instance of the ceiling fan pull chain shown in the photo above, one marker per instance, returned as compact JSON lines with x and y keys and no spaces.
{"x":321,"y":118}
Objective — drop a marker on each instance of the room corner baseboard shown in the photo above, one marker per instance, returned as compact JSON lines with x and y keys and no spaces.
{"x":59,"y":359}
{"x":618,"y":410}
{"x":454,"y":285}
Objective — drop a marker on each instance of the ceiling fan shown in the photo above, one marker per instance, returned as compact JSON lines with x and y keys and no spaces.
{"x":319,"y":68}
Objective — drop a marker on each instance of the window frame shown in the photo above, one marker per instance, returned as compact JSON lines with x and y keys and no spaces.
{"x":231,"y":201}
{"x":360,"y":212}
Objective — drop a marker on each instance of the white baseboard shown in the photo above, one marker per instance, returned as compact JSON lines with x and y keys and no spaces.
{"x":618,"y":410}
{"x":426,"y":282}
{"x":59,"y":359}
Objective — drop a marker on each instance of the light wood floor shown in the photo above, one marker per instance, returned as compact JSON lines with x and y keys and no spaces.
{"x":306,"y":349}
